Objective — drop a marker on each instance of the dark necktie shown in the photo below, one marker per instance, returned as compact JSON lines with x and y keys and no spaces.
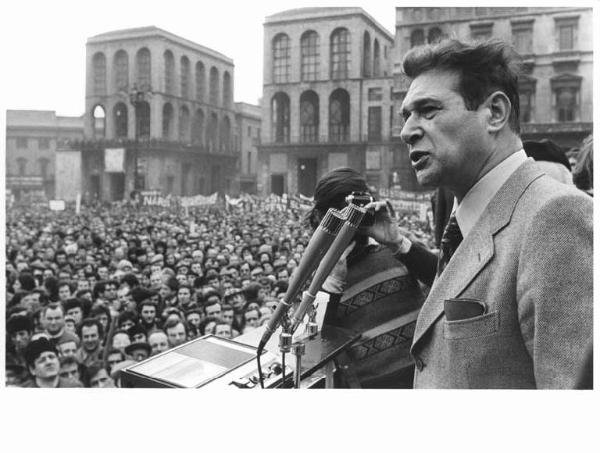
{"x":451,"y":239}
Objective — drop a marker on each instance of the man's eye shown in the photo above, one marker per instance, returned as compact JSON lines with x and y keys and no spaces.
{"x":429,"y":112}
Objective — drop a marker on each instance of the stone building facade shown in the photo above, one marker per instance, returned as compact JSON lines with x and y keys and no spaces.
{"x":556,"y":46}
{"x":326,"y":103}
{"x":248,"y":122}
{"x":32,"y":138}
{"x":168,"y":112}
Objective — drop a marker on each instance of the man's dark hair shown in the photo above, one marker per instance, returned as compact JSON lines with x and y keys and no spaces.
{"x":172,"y":323}
{"x":482,"y":67}
{"x":147,"y":302}
{"x":100,"y":310}
{"x":131,"y":280}
{"x":89,"y":373}
{"x":127,"y":315}
{"x":72,"y":303}
{"x":331,"y":192}
{"x":88,"y":322}
{"x":52,"y":306}
{"x":62,"y":283}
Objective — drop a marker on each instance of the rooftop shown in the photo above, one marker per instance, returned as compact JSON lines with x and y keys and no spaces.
{"x":301,"y":14}
{"x":155,"y":32}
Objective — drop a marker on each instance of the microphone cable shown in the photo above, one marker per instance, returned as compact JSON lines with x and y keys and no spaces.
{"x":260,"y":374}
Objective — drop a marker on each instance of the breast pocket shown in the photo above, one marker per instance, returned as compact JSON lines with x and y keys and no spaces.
{"x":479,"y":326}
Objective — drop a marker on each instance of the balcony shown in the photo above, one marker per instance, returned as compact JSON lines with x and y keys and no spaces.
{"x":152,"y":143}
{"x":578,"y":127}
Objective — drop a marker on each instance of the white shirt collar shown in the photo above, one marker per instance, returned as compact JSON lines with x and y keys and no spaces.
{"x":478,"y":197}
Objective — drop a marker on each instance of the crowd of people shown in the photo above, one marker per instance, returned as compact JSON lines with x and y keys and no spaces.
{"x":90,"y":293}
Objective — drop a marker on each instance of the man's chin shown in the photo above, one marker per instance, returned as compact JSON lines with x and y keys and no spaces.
{"x":427,"y":180}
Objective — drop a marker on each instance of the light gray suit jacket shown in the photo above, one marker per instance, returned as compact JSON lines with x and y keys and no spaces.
{"x":529,"y":259}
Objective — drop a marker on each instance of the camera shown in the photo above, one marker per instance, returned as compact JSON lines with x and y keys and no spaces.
{"x":362,"y":199}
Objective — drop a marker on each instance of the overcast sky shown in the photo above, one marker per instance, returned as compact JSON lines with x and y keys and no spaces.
{"x":44,"y":41}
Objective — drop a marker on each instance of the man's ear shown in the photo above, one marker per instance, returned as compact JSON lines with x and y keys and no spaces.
{"x":499,"y":108}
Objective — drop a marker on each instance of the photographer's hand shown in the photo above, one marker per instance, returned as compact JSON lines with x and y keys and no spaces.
{"x":385,"y":229}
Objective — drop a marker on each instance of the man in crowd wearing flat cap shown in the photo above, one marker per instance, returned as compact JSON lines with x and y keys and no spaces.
{"x":43,"y":365}
{"x":138,"y":351}
{"x":68,"y":345}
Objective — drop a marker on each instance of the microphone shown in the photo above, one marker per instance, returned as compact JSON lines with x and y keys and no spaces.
{"x":354,"y":215}
{"x":319,"y":243}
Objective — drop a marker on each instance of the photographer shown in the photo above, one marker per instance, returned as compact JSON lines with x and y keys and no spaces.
{"x":370,"y":292}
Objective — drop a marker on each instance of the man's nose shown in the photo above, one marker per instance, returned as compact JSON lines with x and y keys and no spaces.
{"x":411,"y":131}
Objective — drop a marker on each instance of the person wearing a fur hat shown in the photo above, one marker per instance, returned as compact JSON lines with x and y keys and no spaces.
{"x":43,"y":365}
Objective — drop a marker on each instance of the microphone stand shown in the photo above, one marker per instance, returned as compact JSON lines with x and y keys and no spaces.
{"x":285,"y":344}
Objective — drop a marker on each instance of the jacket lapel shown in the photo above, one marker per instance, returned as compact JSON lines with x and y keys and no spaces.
{"x":477,"y":249}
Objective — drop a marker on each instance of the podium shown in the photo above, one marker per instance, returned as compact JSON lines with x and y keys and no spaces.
{"x":212,"y":362}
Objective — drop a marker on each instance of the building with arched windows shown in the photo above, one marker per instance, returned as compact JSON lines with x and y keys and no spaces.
{"x":326,"y":101}
{"x":169,"y":120}
{"x":556,"y":45}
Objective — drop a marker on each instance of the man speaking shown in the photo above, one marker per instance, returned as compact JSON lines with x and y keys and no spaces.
{"x":511,"y":302}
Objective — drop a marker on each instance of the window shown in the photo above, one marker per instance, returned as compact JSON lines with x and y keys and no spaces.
{"x":44,"y":163}
{"x":226,"y":90}
{"x":434,"y":35}
{"x":249,"y":131}
{"x":526,"y":98}
{"x":566,"y":32}
{"x":121,"y":70}
{"x":22,"y":165}
{"x":213,"y":132}
{"x":120,"y":119}
{"x":417,"y":38}
{"x":214,"y":86}
{"x":169,"y":72}
{"x":225,"y":134}
{"x":143,"y":69}
{"x":43,"y":143}
{"x":198,"y":127}
{"x":99,"y":68}
{"x":376,"y":59}
{"x":280,"y":119}
{"x":185,"y":77}
{"x":481,"y":32}
{"x":309,"y":117}
{"x":99,"y":121}
{"x":525,"y":104}
{"x":167,"y":121}
{"x":309,"y":49}
{"x":170,"y":183}
{"x":375,"y":94}
{"x":281,"y":58}
{"x":340,"y":53}
{"x":366,"y":68}
{"x":566,"y":104}
{"x":566,"y":97}
{"x":142,"y":113}
{"x":21,"y":142}
{"x":184,"y":124}
{"x":200,"y":82}
{"x":374,"y":131}
{"x":339,"y":116}
{"x":522,"y":36}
